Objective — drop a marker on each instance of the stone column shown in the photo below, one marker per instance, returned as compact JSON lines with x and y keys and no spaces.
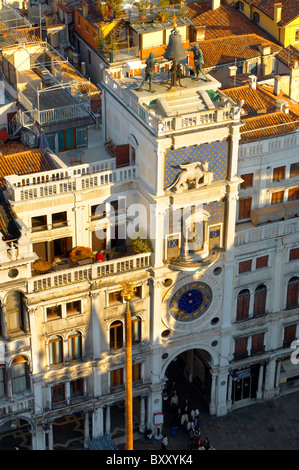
{"x":97,"y":422}
{"x":259,"y":392}
{"x":155,"y":308}
{"x":228,"y":295}
{"x":86,"y":429}
{"x":107,"y":420}
{"x":212,"y":406}
{"x":142,"y":425}
{"x":94,"y":306}
{"x":277,"y":378}
{"x":149,"y":413}
{"x":229,"y":392}
{"x":50,"y":437}
{"x":221,"y":393}
{"x":269,"y":380}
{"x":4,"y":321}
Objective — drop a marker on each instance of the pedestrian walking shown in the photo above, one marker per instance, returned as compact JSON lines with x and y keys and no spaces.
{"x":164,"y":442}
{"x":184,"y":420}
{"x":191,"y":439}
{"x":174,"y":401}
{"x":174,"y":428}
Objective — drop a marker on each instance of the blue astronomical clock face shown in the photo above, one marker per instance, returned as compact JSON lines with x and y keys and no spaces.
{"x":190,"y":301}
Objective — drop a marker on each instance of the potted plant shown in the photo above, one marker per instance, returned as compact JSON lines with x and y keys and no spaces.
{"x":162,"y":6}
{"x":141,"y":243}
{"x":142,"y":6}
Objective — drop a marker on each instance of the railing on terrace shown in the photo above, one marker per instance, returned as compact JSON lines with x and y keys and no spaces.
{"x":60,"y":114}
{"x":20,"y":189}
{"x":227,"y":112}
{"x":271,"y":230}
{"x":90,"y":272}
{"x":113,"y":56}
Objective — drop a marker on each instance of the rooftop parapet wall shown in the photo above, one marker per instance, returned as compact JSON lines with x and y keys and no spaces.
{"x":163,"y":113}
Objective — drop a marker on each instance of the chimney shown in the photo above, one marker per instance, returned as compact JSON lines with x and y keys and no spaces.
{"x":282,"y":105}
{"x":277,"y":80}
{"x":215,"y":4}
{"x":85,"y":9}
{"x":277,"y":12}
{"x":83,"y":68}
{"x":252,"y":81}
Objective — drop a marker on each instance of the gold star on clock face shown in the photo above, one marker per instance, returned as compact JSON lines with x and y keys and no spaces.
{"x":190,"y":301}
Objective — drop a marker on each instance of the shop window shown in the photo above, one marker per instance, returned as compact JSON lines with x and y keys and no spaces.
{"x":294,"y":254}
{"x":55,"y":350}
{"x":53,"y":312}
{"x":244,"y":208}
{"x":289,"y":335}
{"x":292,"y":292}
{"x":257,"y":343}
{"x":241,"y":348}
{"x":262,"y":262}
{"x":136,"y":330}
{"x":294,"y":170}
{"x":20,"y":375}
{"x":116,"y":377}
{"x":247,"y":181}
{"x":116,"y":335}
{"x":73,"y":307}
{"x":279,"y":173}
{"x":15,"y":312}
{"x":75,"y":345}
{"x":293,"y":194}
{"x":277,"y":197}
{"x":243,"y":304}
{"x":245,"y":266}
{"x":259,"y":305}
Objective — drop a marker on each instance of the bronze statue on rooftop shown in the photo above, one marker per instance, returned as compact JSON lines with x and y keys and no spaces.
{"x":149,"y":71}
{"x":198,"y":61}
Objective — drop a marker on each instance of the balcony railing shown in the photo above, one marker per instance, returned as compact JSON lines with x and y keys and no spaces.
{"x":41,"y":228}
{"x":53,"y":183}
{"x":270,"y":230}
{"x":92,"y":271}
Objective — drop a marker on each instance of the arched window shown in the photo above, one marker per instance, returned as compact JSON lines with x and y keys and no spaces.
{"x":260,"y":294}
{"x":292,"y":292}
{"x":20,"y":375}
{"x":15,"y":311}
{"x":75,"y":345}
{"x":116,"y":335}
{"x":243,"y":304}
{"x":136,"y":330}
{"x":55,"y":350}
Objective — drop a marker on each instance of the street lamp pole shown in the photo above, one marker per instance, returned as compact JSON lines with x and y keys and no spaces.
{"x":127,"y":293}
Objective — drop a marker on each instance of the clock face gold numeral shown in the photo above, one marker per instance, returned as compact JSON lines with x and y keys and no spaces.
{"x":190,"y":301}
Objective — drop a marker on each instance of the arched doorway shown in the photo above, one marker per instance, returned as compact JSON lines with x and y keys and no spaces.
{"x":15,"y":434}
{"x":191,"y":372}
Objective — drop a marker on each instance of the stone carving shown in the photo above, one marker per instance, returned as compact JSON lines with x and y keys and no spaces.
{"x":195,"y":172}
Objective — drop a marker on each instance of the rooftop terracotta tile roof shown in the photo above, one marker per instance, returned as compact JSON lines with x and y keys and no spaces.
{"x":289,"y":55}
{"x":226,"y":50}
{"x":18,"y":159}
{"x":224,"y":21}
{"x":268,"y":125}
{"x":255,"y":100}
{"x":289,"y":11}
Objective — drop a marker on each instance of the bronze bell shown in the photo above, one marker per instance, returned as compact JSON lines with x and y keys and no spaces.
{"x":175,"y":50}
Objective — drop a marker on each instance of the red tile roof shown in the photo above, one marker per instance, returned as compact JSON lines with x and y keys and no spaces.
{"x":18,"y":159}
{"x":224,"y":21}
{"x":255,"y":100}
{"x":268,"y":125}
{"x":228,"y":49}
{"x":289,"y":11}
{"x":289,"y":55}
